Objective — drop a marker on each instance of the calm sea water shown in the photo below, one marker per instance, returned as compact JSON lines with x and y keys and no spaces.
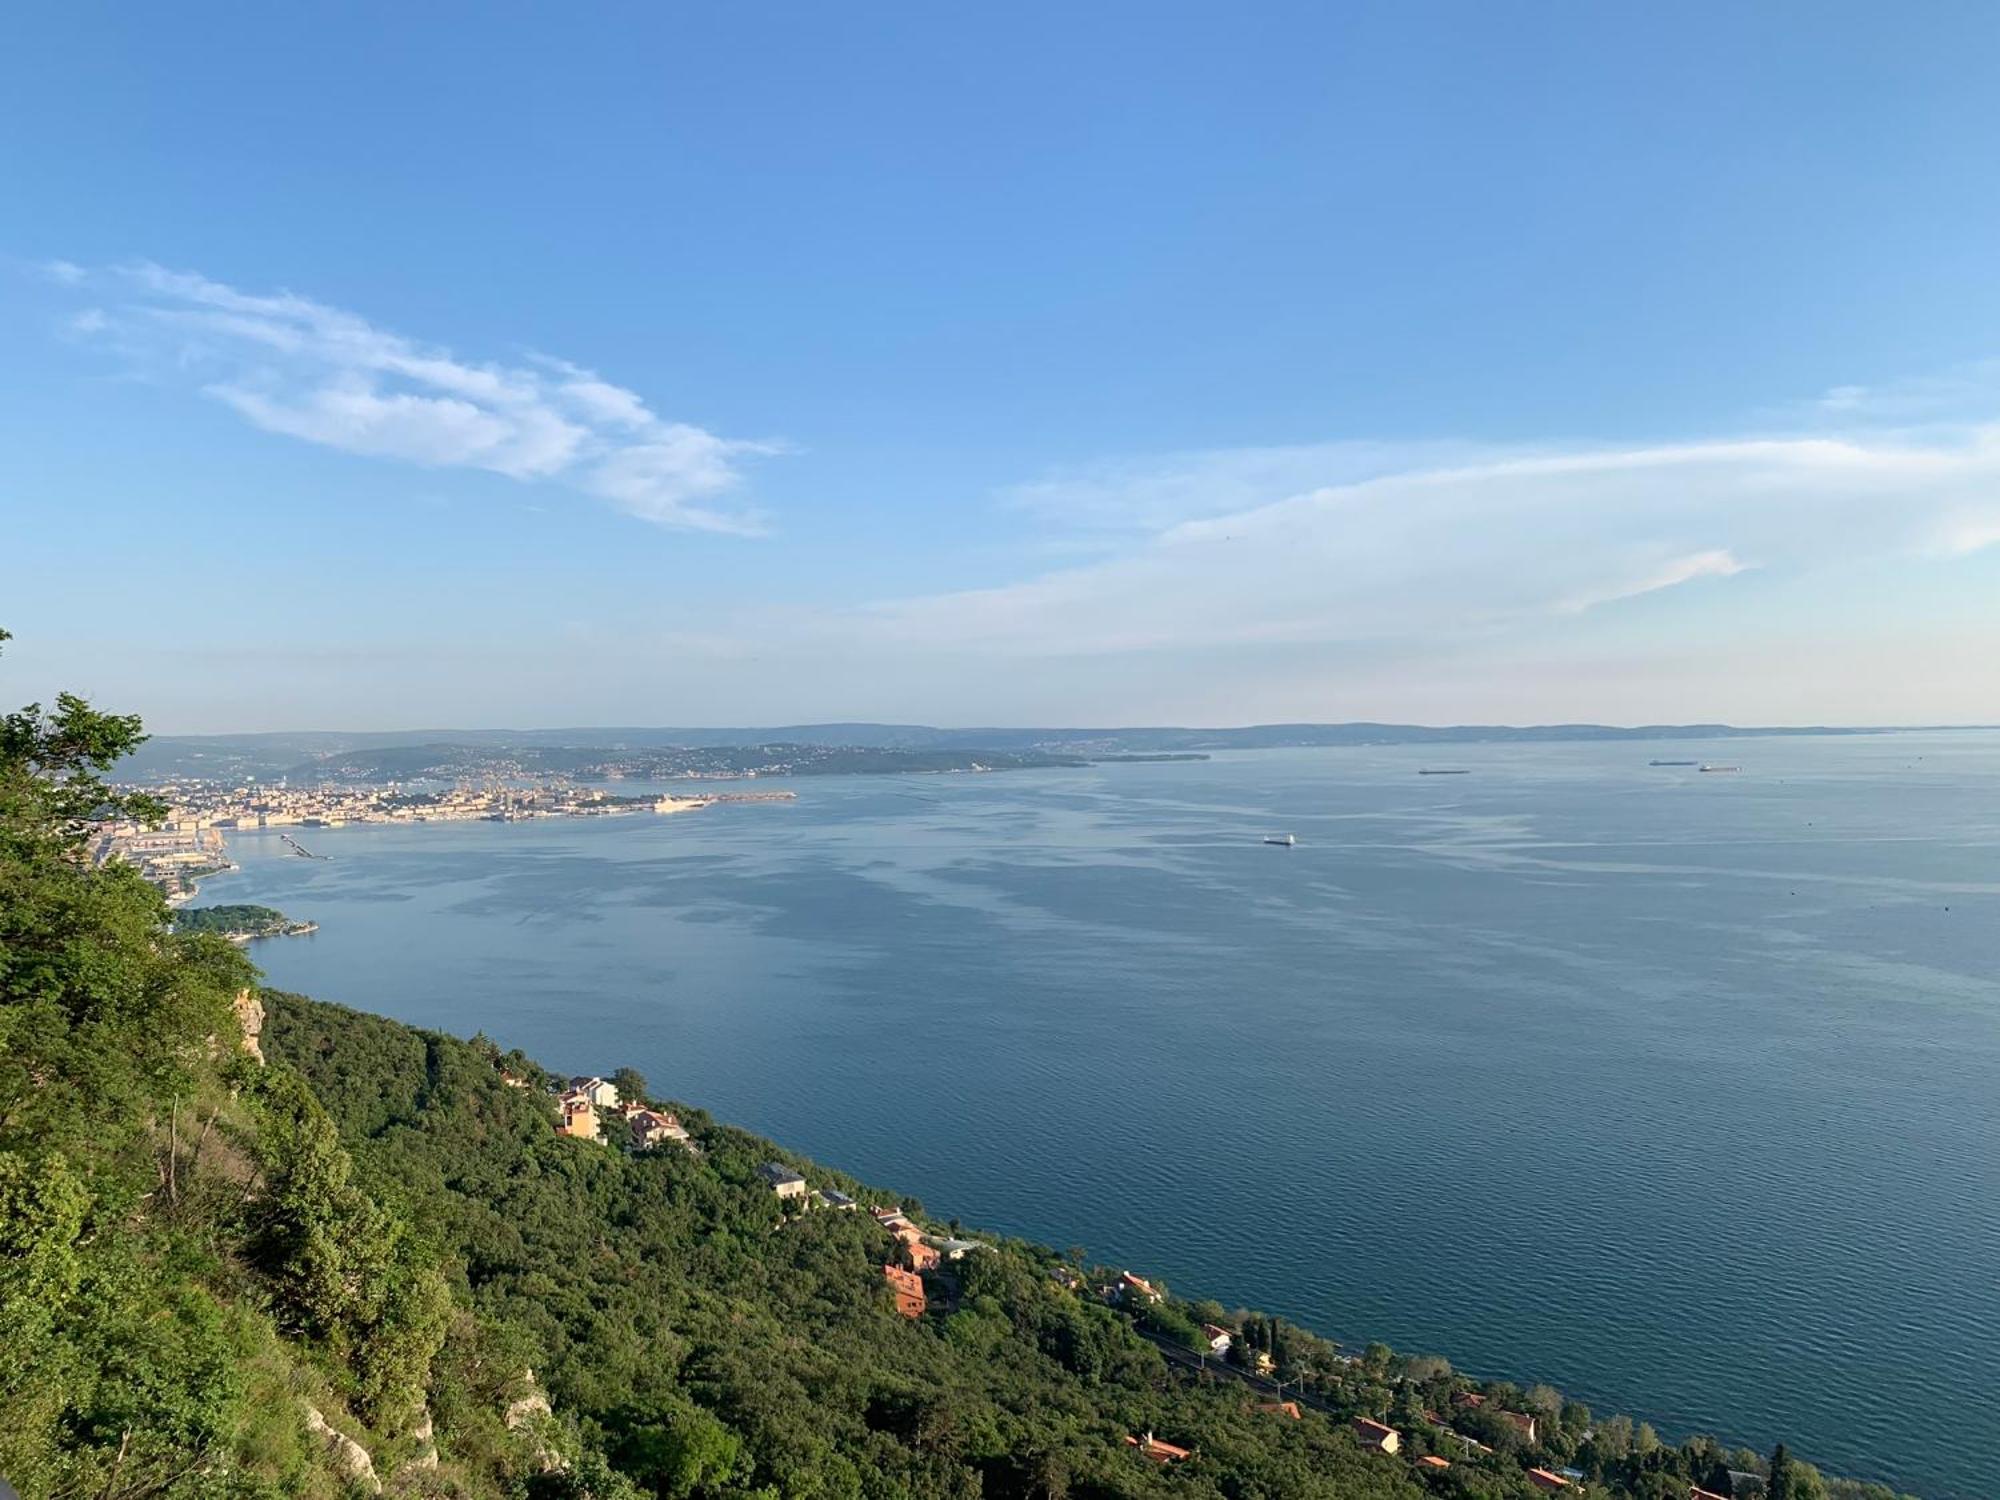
{"x":1679,"y":1091}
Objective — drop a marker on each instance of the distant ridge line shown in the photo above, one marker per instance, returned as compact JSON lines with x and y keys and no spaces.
{"x":924,"y":736}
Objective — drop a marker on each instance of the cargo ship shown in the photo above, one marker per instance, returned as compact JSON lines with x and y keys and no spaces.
{"x":1282,"y":840}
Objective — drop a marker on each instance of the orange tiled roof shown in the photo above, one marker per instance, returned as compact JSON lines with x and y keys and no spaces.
{"x":909,"y":1290}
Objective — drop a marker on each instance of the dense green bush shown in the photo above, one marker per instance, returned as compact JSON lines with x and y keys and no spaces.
{"x":205,"y":1263}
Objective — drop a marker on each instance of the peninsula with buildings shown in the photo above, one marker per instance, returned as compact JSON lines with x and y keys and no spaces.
{"x":190,"y":843}
{"x":217,"y":787}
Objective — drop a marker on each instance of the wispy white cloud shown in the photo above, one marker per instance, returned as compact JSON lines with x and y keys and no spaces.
{"x":1964,"y":535}
{"x":300,"y":368}
{"x":1150,"y":492}
{"x":1964,"y":392}
{"x":1473,"y":549}
{"x":1717,"y":562}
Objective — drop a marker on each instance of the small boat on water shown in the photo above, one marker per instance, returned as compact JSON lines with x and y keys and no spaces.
{"x":1672,"y":762}
{"x":1282,"y":840}
{"x":1442,"y":771}
{"x":1707,"y":767}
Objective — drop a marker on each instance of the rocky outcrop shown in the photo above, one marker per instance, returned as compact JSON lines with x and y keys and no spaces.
{"x":530,"y":1410}
{"x":524,"y":1408}
{"x":349,"y":1457}
{"x":250,"y":1016}
{"x":424,"y":1436}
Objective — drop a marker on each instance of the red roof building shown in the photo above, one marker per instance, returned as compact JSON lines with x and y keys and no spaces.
{"x":1157,"y":1451}
{"x":1132,"y":1285}
{"x":1283,"y":1408}
{"x":1432,"y":1461}
{"x":909,"y":1291}
{"x":1544,"y":1480}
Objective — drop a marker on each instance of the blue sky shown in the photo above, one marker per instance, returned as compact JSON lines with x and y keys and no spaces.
{"x":377,"y":366}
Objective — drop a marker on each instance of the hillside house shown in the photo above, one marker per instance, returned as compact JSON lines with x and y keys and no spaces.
{"x":1521,"y":1422}
{"x":1376,"y":1435}
{"x":602,"y":1094}
{"x":920,"y":1257}
{"x":782,"y":1180}
{"x":1432,"y":1461}
{"x":1282,"y":1409}
{"x":651,"y":1128}
{"x":1542,"y":1479}
{"x":578,"y":1117}
{"x":953,"y":1249}
{"x":1157,"y":1451}
{"x":1219,"y":1339}
{"x":1138,"y":1288}
{"x":908,"y":1290}
{"x":839,"y":1200}
{"x":1262,"y":1362}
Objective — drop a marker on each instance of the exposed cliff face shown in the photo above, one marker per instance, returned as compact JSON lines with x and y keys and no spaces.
{"x":250,"y":1016}
{"x":530,"y":1410}
{"x":349,"y":1457}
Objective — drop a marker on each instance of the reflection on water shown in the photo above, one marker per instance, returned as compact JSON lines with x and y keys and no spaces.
{"x":1680,"y":1091}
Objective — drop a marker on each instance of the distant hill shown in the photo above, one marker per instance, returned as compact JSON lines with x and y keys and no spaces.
{"x":596,"y":763}
{"x":277,"y":754}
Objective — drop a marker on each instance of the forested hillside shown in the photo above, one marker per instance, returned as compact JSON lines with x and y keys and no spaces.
{"x":365,"y":1261}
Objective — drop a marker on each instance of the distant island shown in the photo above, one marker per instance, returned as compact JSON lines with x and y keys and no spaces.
{"x":239,"y":923}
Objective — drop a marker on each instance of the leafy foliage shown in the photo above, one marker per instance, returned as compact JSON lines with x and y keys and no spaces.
{"x":223,"y":920}
{"x":206,"y":1266}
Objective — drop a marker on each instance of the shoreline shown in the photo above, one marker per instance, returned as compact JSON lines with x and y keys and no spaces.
{"x":1316,"y":1380}
{"x":181,"y":853}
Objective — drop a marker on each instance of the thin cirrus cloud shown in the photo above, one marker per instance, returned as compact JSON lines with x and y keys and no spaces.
{"x":1461,"y":553}
{"x":293,"y":366}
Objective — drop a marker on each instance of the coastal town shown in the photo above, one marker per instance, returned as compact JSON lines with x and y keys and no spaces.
{"x":190,"y":843}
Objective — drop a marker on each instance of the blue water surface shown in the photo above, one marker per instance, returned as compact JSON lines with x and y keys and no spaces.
{"x":1678,"y":1091}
